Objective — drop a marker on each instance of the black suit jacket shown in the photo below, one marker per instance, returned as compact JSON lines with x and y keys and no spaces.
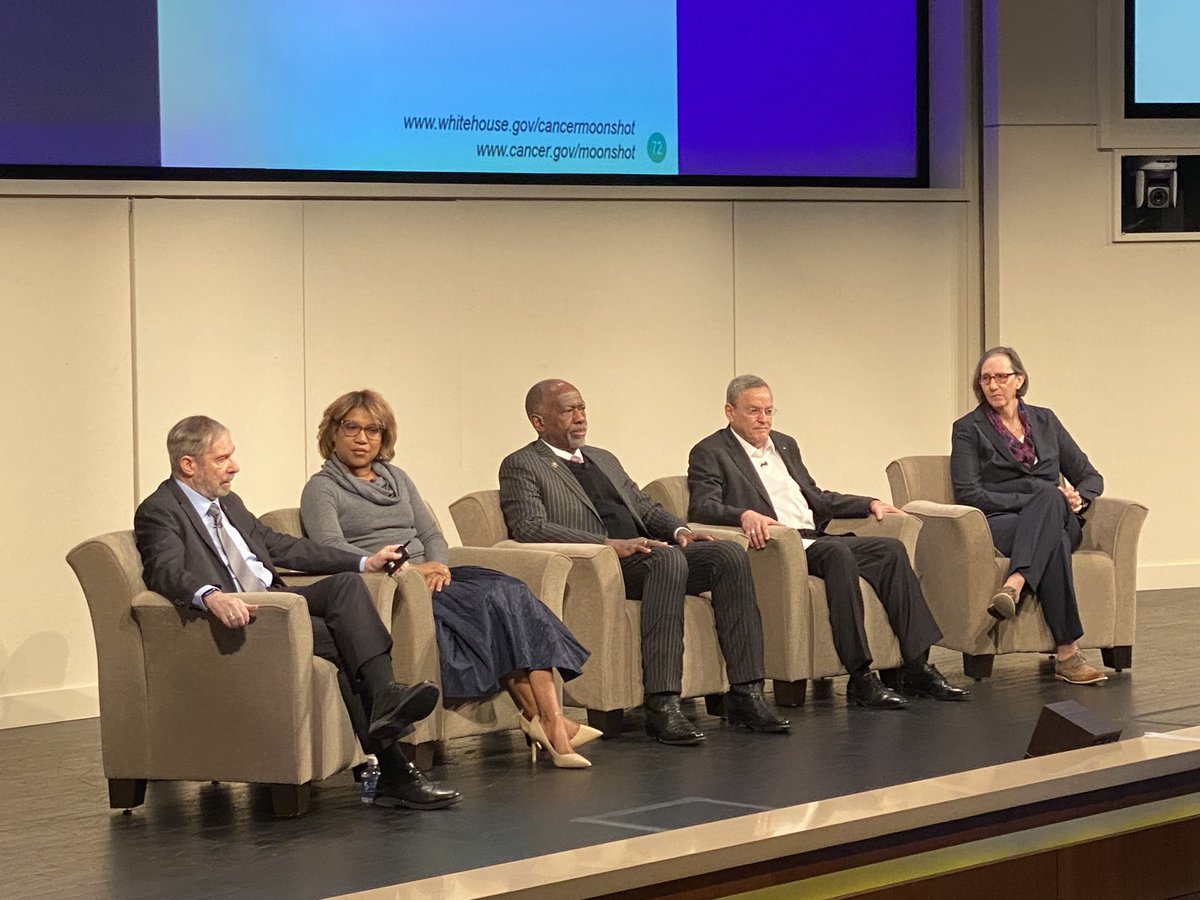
{"x":985,"y":475}
{"x":179,"y":555}
{"x":723,"y":484}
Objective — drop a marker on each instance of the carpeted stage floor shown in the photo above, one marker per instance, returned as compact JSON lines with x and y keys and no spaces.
{"x":59,"y":839}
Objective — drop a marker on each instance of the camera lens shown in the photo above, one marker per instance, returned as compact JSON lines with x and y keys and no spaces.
{"x":1158,"y":197}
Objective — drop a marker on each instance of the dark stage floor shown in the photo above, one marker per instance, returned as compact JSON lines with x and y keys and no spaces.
{"x":59,"y":839}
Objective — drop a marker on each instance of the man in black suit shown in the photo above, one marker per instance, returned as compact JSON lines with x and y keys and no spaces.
{"x":750,"y":476}
{"x":556,"y":489}
{"x":205,"y":552}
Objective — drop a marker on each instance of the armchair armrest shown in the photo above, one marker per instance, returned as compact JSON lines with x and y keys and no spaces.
{"x":415,"y":654}
{"x":955,"y":561}
{"x":727,"y":532}
{"x":543,"y":571}
{"x":905,"y":529}
{"x":594,"y":609}
{"x":1111,"y":525}
{"x":207,"y":680}
{"x":1114,"y":526}
{"x":780,"y":572}
{"x":406,"y":610}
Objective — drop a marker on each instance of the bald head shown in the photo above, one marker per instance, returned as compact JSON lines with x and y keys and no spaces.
{"x":535,"y":399}
{"x":557,"y":413}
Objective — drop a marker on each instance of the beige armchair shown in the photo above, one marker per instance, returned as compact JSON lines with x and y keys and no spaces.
{"x":960,"y":570}
{"x":797,"y":636}
{"x":605,"y":621}
{"x":408,"y":613}
{"x":183,"y":699}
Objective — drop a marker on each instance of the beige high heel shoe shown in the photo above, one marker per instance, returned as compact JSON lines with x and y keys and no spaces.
{"x":535,"y":736}
{"x":585,"y":735}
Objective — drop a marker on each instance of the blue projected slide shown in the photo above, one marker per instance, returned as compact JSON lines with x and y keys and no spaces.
{"x":697,"y":91}
{"x":475,"y":86}
{"x":1167,"y":68}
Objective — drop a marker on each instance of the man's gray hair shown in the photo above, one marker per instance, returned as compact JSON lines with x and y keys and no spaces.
{"x":743,"y":383}
{"x":191,"y":437}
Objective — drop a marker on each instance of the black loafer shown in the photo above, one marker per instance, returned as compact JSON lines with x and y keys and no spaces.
{"x":666,"y":723}
{"x":410,"y":789}
{"x":393,"y":714}
{"x":924,"y":680}
{"x":867,"y":690}
{"x":749,"y":709}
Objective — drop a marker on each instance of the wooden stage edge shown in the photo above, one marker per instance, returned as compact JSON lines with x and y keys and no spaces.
{"x":816,"y":839}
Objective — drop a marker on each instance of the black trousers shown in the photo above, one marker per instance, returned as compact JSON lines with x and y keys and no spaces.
{"x":1039,"y":541}
{"x":347,"y":632}
{"x":883,"y":563}
{"x":660,"y":580}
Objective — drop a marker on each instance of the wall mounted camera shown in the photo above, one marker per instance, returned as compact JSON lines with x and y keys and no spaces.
{"x":1156,"y":183}
{"x":1157,"y":195}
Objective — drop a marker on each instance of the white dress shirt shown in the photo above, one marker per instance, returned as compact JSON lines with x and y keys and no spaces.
{"x":201,"y":504}
{"x":791,"y":509}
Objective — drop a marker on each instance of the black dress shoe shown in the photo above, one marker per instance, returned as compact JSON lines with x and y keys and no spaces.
{"x":748,"y":708}
{"x":867,"y":690}
{"x":924,"y":680}
{"x":666,"y":723}
{"x":410,"y":789}
{"x":392,"y":714}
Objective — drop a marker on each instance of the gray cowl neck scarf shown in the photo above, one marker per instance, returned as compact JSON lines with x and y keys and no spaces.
{"x":383,"y":491}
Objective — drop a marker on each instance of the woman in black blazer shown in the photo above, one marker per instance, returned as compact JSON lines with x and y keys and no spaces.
{"x":1008,"y":459}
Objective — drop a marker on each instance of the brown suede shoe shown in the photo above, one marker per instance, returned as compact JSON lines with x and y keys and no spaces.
{"x":1075,"y":670}
{"x":1004,"y":604}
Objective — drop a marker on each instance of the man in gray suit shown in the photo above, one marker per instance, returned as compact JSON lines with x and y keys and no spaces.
{"x":556,"y":489}
{"x":206,"y":553}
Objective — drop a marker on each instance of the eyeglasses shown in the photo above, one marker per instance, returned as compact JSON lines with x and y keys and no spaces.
{"x":753,"y":411}
{"x":1000,"y":377}
{"x":351,"y":429}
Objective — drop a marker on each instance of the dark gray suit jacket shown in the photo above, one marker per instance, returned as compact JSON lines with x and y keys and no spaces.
{"x":543,"y":502}
{"x":984,"y":474}
{"x":179,"y":556}
{"x":723,"y":484}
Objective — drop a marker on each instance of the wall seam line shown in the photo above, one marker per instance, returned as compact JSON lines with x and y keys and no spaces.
{"x":733,"y":280}
{"x":133,"y":349}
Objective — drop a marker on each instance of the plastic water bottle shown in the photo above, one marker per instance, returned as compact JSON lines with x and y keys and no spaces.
{"x":370,"y":778}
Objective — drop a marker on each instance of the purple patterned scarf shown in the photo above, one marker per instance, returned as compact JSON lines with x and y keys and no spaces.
{"x":1023,"y":451}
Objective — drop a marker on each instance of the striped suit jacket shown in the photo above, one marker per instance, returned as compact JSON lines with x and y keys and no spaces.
{"x":543,"y":502}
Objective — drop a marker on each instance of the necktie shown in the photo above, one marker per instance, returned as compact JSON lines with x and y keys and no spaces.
{"x":576,"y":457}
{"x":243,"y":576}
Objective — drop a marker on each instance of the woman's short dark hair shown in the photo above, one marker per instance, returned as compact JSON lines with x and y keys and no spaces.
{"x":1017,"y":366}
{"x":374,"y":405}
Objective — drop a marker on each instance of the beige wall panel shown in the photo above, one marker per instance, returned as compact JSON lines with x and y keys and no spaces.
{"x":850,"y":311}
{"x":631,"y":302}
{"x":1045,"y":60}
{"x":1108,"y":331}
{"x":454,"y":310}
{"x":220,"y":324}
{"x":384,"y":310}
{"x":65,"y":366}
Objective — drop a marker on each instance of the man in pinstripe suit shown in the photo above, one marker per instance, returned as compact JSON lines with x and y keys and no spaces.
{"x":557,"y":490}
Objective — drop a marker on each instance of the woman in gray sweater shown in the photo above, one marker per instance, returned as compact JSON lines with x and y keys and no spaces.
{"x":492,"y":632}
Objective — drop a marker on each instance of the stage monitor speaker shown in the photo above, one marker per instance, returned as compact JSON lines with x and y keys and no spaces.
{"x":1069,"y":726}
